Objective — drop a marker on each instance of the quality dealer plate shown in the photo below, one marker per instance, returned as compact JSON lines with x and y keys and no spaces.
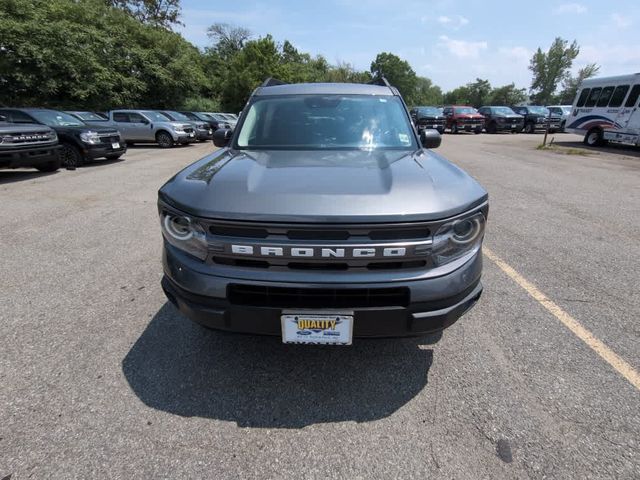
{"x":320,"y":328}
{"x":115,"y":145}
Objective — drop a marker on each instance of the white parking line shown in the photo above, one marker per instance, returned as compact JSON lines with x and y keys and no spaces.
{"x":608,"y":355}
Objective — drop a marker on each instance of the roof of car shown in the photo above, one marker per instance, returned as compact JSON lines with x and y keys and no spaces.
{"x":324,"y":89}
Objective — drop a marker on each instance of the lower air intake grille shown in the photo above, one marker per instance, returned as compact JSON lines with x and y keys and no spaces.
{"x":283,"y":297}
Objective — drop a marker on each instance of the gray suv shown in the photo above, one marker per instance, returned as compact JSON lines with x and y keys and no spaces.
{"x":324,"y":217}
{"x":149,"y":126}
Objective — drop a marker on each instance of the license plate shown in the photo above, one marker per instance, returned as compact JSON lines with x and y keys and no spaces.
{"x":192,"y":134}
{"x":320,"y":328}
{"x":115,"y":145}
{"x":513,"y":125}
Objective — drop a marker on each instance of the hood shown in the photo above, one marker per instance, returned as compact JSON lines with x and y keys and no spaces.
{"x":11,"y":128}
{"x":324,"y":186}
{"x":180,"y":124}
{"x":514,"y":116}
{"x":468,"y":115}
{"x":84,"y":128}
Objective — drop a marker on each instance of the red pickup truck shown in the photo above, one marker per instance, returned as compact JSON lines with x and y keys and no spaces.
{"x":463,"y":118}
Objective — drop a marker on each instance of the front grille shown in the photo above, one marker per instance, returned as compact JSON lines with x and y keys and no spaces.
{"x":473,"y":121}
{"x":285,"y":297}
{"x":330,"y":247}
{"x":110,"y":138}
{"x":188,"y":129}
{"x":24,"y":138}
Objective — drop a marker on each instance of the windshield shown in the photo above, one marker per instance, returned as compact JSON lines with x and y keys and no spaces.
{"x":56,"y":119}
{"x":178,"y":116}
{"x":504,"y":110}
{"x":539,"y":110}
{"x":90,"y":116}
{"x":429,"y":111}
{"x":315,"y":122}
{"x":156,"y":117}
{"x":466,"y":110}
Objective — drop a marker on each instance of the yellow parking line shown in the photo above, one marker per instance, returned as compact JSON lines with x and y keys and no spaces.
{"x":608,"y":355}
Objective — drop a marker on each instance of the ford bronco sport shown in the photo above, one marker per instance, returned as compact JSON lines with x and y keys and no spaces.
{"x":324,"y":217}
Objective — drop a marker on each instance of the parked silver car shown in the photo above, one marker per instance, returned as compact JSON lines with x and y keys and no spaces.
{"x":562,"y":111}
{"x":149,"y":126}
{"x":203,"y":129}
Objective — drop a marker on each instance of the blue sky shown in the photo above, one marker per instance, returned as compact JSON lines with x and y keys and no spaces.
{"x":451,"y":42}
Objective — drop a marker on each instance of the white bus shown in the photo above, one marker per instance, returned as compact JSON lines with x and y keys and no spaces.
{"x":606,"y":109}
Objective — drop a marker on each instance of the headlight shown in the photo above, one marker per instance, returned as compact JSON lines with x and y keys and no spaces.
{"x":90,"y":137}
{"x":457,"y":238}
{"x":183,"y":233}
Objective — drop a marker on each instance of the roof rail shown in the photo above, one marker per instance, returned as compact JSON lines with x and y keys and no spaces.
{"x":381,"y":80}
{"x":271,"y":82}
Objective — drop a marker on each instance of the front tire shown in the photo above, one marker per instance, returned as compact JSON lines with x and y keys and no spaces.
{"x":594,"y":138}
{"x":71,"y":157}
{"x":529,"y":128}
{"x":164,"y":140}
{"x":492,"y":128}
{"x":454,"y":128}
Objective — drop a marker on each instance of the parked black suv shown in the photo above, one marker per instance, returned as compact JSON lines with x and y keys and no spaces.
{"x":323,"y":217}
{"x":203,"y":117}
{"x":500,"y":119}
{"x":536,"y":118}
{"x":428,"y":117}
{"x":28,"y":146}
{"x":80,"y":142}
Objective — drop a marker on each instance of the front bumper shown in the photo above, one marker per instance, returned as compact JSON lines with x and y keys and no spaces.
{"x":183,"y":138}
{"x":509,"y":127}
{"x":204,"y":134}
{"x":434,"y":304}
{"x":93,"y":152}
{"x":30,"y":156}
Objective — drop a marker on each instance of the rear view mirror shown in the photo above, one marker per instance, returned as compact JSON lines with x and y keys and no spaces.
{"x":430,"y":138}
{"x":222,"y":137}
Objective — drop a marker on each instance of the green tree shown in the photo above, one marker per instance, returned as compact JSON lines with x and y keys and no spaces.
{"x":571,"y":83}
{"x":478,"y":92}
{"x":227,"y":39}
{"x":121,"y":62}
{"x":551,"y":68}
{"x":345,"y":73}
{"x":426,"y":92}
{"x":457,"y":96}
{"x":258,"y":60}
{"x":158,"y":13}
{"x":507,"y":95}
{"x":398,"y":72}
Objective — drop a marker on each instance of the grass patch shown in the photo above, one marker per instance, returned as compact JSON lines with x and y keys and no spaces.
{"x":551,"y":147}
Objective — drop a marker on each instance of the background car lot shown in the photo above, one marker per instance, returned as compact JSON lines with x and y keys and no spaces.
{"x":102,"y":378}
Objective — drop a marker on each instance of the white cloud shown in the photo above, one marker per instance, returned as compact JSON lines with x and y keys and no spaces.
{"x":620,"y":21}
{"x":455,"y":22}
{"x":576,"y":8}
{"x":520,"y":54}
{"x":462,"y":48}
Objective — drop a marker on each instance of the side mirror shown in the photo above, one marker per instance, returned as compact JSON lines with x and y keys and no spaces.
{"x":222,"y":137}
{"x":430,"y":138}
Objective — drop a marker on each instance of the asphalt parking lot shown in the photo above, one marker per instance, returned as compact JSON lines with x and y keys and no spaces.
{"x":102,"y":378}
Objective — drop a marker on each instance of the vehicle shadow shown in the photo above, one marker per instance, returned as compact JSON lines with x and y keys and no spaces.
{"x":10,"y":176}
{"x":181,"y":368}
{"x":103,"y":161}
{"x":615,"y":148}
{"x":155,"y":146}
